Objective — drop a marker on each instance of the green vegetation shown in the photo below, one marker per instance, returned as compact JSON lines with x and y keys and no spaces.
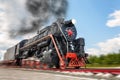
{"x":109,"y":60}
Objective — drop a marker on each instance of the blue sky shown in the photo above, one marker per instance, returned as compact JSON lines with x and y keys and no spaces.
{"x":92,"y":17}
{"x":98,"y":21}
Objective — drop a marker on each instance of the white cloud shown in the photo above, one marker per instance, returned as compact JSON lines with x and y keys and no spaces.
{"x":108,"y":46}
{"x":115,"y":19}
{"x":93,"y":51}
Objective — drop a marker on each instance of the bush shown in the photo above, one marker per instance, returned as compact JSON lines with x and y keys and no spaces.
{"x":110,"y":59}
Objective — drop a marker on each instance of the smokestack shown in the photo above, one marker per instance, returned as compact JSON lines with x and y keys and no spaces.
{"x":41,"y":12}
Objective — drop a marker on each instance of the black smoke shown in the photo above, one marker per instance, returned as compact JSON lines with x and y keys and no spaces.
{"x":42,"y":12}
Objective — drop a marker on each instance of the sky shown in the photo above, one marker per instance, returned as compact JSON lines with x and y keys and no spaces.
{"x":98,"y":21}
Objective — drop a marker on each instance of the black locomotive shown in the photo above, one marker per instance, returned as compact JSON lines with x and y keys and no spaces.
{"x":56,"y":46}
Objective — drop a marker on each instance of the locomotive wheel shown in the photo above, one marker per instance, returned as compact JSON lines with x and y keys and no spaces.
{"x":62,"y":65}
{"x":44,"y":66}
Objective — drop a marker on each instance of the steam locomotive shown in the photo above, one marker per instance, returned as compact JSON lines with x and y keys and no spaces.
{"x":55,"y":46}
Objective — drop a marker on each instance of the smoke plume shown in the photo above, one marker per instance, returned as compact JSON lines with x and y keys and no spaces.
{"x":40,"y":13}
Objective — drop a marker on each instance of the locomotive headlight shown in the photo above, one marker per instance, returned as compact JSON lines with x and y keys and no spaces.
{"x":70,"y":22}
{"x":73,"y":21}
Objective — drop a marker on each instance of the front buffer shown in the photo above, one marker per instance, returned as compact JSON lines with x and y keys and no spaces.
{"x":75,"y":61}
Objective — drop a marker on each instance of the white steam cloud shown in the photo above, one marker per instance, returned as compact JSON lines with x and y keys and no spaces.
{"x":114,"y":20}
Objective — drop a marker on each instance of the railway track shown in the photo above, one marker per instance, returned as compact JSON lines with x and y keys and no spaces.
{"x":99,"y":73}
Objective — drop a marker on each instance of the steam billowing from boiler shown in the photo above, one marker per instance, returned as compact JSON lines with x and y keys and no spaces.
{"x":41,"y":12}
